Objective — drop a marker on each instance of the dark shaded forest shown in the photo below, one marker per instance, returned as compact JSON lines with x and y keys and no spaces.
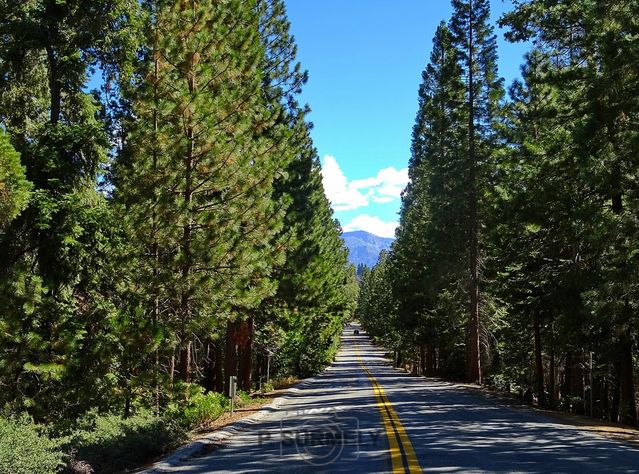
{"x":516,"y":258}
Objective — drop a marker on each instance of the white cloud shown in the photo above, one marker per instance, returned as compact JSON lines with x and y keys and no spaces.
{"x":392,"y":182}
{"x":372,"y":224}
{"x":382,"y":199}
{"x":343,"y":196}
{"x":347,"y":195}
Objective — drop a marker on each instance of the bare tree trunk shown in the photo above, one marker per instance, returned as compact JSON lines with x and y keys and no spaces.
{"x":172,"y":368}
{"x":230,"y":359}
{"x":539,"y":365}
{"x":219,"y":372}
{"x":209,"y":366}
{"x":185,"y":362}
{"x":551,"y":379}
{"x":627,"y":402}
{"x":246,"y":355}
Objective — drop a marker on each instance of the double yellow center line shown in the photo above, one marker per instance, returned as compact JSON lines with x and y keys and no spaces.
{"x":403,"y":458}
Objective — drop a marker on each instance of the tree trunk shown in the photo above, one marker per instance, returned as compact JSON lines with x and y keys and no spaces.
{"x":430,"y":360}
{"x":230,"y":359}
{"x":474,"y":353}
{"x":627,"y":402}
{"x":551,"y":380}
{"x":539,"y":365}
{"x":578,"y":386}
{"x":246,"y":355}
{"x":172,"y":368}
{"x":422,"y":359}
{"x":154,"y":225}
{"x":185,"y":245}
{"x":614,"y":408}
{"x":185,"y":362}
{"x":218,"y":368}
{"x":568,"y":374}
{"x":605,"y":397}
{"x":209,"y":366}
{"x":54,"y":86}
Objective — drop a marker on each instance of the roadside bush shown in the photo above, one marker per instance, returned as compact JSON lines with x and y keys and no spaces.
{"x":110,"y":443}
{"x":267,"y":387}
{"x":243,"y":397}
{"x":204,"y":408}
{"x":573,"y":403}
{"x":284,"y":382}
{"x":24,"y":449}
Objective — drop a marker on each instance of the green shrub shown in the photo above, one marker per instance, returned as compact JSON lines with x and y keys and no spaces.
{"x":110,"y":443}
{"x":572,"y":403}
{"x":267,"y":387}
{"x":502,"y":382}
{"x":243,"y":397}
{"x":24,"y":449}
{"x":202,"y":408}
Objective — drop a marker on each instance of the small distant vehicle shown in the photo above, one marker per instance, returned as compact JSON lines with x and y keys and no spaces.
{"x":356,"y":332}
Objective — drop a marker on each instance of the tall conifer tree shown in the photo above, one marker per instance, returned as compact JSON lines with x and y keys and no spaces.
{"x":55,"y":288}
{"x":429,"y":252}
{"x":316,"y":284}
{"x":204,"y":154}
{"x":592,"y":51}
{"x":476,"y":44}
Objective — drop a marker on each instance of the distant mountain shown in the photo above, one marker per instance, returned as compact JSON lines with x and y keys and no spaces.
{"x":364,"y":247}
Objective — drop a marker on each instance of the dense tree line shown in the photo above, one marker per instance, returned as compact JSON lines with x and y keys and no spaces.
{"x":515,"y":262}
{"x":162,"y":218}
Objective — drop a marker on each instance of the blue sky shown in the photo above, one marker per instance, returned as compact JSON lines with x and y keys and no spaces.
{"x":365,"y":59}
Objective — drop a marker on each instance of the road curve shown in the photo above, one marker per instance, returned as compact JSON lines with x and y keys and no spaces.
{"x":361,"y":415}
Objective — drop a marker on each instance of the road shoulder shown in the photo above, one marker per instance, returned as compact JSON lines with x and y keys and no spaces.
{"x":221,"y":433}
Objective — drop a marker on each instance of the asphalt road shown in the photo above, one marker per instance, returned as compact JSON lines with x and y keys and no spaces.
{"x":361,"y":415}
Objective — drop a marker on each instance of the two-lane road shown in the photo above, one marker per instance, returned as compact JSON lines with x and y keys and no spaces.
{"x":361,"y":415}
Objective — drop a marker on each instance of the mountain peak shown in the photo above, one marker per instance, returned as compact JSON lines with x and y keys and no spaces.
{"x":364,"y":247}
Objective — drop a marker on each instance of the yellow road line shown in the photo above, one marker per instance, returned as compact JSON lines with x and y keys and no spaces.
{"x":403,"y":458}
{"x":395,"y":452}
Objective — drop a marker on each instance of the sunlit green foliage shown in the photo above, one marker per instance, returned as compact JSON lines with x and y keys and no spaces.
{"x":169,"y":225}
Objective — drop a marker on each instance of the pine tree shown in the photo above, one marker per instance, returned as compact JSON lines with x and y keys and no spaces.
{"x":476,"y":44}
{"x":591,"y":56}
{"x":540,"y":197}
{"x":320,"y":287}
{"x":201,"y":161}
{"x":303,"y":319}
{"x":377,"y":307}
{"x":317,"y":289}
{"x":282,"y":79}
{"x":14,"y":187}
{"x":55,"y":288}
{"x":428,"y":255}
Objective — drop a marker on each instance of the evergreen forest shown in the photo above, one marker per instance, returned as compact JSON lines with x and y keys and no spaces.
{"x":164,"y":226}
